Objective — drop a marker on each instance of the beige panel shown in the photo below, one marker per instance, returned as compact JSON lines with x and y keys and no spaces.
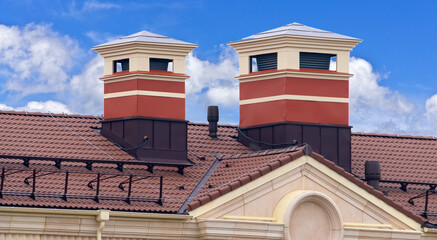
{"x":343,"y":62}
{"x":139,"y":62}
{"x":108,"y":67}
{"x":179,"y":65}
{"x":244,"y":64}
{"x":288,"y":58}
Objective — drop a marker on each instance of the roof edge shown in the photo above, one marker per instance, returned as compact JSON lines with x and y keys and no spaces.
{"x":12,"y":112}
{"x":394,"y":135}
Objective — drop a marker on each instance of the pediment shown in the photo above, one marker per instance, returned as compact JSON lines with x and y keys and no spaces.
{"x":306,"y":185}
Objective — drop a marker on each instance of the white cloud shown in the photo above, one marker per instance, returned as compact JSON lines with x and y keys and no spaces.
{"x":47,"y":106}
{"x":88,"y":6}
{"x":86,"y":89}
{"x":36,"y":106}
{"x":226,"y":96}
{"x":431,"y":109}
{"x":214,"y":83}
{"x":375,"y":108}
{"x":95,"y":5}
{"x":5,"y":107}
{"x":366,"y":92}
{"x":101,"y":37}
{"x":36,"y":59}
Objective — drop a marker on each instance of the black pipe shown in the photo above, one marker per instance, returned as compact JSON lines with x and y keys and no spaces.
{"x":372,"y":173}
{"x":213,"y":118}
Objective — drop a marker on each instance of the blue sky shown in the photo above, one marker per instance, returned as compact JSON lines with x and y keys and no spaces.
{"x":46,"y":63}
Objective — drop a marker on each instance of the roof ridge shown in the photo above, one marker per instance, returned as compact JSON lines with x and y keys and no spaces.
{"x":12,"y":112}
{"x":259,"y":153}
{"x":394,"y":135}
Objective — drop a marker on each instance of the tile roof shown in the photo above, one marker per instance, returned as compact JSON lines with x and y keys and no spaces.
{"x":297,"y":29}
{"x":58,"y":136}
{"x":402,"y":158}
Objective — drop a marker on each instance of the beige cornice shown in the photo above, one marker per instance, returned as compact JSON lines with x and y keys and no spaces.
{"x":288,"y":41}
{"x":144,"y":47}
{"x":292,"y":73}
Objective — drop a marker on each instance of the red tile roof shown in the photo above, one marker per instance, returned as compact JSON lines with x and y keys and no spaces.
{"x":65,"y":136}
{"x":77,"y":137}
{"x":402,"y":158}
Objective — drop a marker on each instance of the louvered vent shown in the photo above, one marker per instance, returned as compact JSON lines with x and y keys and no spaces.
{"x":315,"y":60}
{"x":121,"y":65}
{"x":264,"y":62}
{"x":160,"y":64}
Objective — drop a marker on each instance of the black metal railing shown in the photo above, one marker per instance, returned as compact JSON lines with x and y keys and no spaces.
{"x":32,"y":181}
{"x":430,"y":191}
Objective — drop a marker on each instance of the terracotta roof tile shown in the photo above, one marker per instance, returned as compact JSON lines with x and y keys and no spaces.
{"x":402,"y":158}
{"x":66,"y":136}
{"x":74,"y":136}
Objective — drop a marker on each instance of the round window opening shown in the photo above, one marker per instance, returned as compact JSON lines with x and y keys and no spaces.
{"x":309,"y":215}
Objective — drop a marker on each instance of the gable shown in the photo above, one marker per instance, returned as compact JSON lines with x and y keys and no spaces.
{"x":306,"y":183}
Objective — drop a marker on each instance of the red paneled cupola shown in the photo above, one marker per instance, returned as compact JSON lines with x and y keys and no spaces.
{"x":288,"y":92}
{"x":144,"y":96}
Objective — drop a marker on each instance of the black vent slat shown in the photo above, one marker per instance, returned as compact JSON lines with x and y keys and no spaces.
{"x":315,"y":60}
{"x":266,"y":61}
{"x":159,"y":64}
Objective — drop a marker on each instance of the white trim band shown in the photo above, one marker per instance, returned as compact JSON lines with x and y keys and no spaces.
{"x":143,"y":93}
{"x":294,"y":97}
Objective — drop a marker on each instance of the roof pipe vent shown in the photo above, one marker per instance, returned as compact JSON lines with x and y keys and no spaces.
{"x":372,"y":173}
{"x":213,"y":117}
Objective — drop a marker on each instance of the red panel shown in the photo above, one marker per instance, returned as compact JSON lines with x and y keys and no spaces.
{"x":263,"y":88}
{"x":161,"y":107}
{"x":262,"y":113}
{"x":317,"y":112}
{"x":145,"y":106}
{"x":294,"y":86}
{"x":120,"y":107}
{"x":294,"y":111}
{"x":144,"y":84}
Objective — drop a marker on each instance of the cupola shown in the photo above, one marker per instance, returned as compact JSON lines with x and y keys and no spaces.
{"x":289,"y":93}
{"x":144,"y":96}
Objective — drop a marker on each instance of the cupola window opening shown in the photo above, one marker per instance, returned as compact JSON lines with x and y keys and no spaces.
{"x":263,"y":62}
{"x":315,"y":60}
{"x":161,"y":64}
{"x":121,"y":65}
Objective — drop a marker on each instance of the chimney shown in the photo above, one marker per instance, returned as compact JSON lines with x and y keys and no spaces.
{"x":144,"y":97}
{"x":288,"y":92}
